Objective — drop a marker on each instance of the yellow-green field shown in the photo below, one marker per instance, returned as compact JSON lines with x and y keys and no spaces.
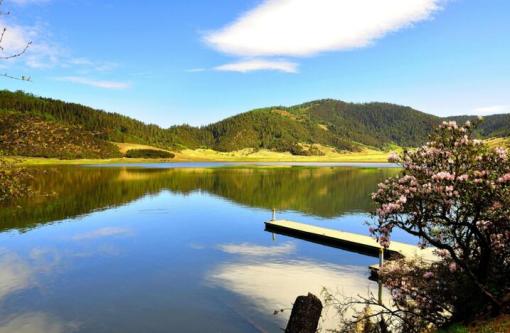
{"x":262,"y":155}
{"x":498,"y":142}
{"x":245,"y":155}
{"x":55,"y":161}
{"x":124,"y":147}
{"x":208,"y":155}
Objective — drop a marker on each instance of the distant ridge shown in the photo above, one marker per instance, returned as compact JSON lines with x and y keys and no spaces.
{"x":296,"y":129}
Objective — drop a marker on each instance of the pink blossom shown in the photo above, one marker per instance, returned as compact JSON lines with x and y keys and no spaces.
{"x":394,"y":158}
{"x":443,"y":175}
{"x":463,"y":177}
{"x":502,"y":153}
{"x":505,"y":178}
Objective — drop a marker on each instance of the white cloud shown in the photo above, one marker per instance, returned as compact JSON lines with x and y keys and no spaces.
{"x":304,"y":27}
{"x":42,"y":53}
{"x":245,"y":66}
{"x":15,"y":39}
{"x":95,"y":83}
{"x":492,"y":109}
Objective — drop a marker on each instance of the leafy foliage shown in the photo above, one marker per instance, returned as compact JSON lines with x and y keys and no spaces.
{"x":148,"y":153}
{"x":26,"y":134}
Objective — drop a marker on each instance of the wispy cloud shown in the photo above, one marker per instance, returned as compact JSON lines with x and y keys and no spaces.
{"x":99,"y":66}
{"x":103,"y":232}
{"x":492,"y":109}
{"x":95,"y":83}
{"x":27,"y":2}
{"x":44,"y":52}
{"x":196,"y":70}
{"x":245,"y":66}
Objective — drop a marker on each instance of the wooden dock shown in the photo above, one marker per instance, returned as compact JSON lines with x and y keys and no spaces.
{"x":349,"y":241}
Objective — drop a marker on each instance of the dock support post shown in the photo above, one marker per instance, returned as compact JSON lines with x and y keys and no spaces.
{"x":381,"y":257}
{"x":274,"y":215}
{"x":379,"y":282}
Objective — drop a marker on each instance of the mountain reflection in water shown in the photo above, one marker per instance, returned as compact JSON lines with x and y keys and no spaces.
{"x":66,"y":192}
{"x":184,"y":250}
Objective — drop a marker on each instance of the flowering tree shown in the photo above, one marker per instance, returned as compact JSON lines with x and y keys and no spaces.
{"x":453,"y":194}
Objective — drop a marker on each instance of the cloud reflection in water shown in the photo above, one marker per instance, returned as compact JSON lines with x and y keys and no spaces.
{"x":271,"y":282}
{"x":17,"y":275}
{"x":258,"y":250}
{"x":35,"y":322}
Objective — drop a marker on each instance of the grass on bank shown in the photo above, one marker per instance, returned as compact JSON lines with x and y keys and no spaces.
{"x":498,"y":142}
{"x":208,"y":155}
{"x":367,"y":155}
{"x":499,"y":324}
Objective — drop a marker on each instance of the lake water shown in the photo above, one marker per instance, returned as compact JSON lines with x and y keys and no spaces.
{"x":177,"y":248}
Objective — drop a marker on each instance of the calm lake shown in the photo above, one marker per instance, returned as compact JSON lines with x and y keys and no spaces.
{"x":177,"y":248}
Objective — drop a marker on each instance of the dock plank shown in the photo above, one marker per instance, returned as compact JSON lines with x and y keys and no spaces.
{"x":354,"y":240}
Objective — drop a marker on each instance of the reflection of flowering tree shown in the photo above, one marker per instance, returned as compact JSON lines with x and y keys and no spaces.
{"x":454,"y":194}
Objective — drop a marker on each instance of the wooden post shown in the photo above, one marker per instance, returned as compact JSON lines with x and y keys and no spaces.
{"x":274,"y":215}
{"x":381,"y":257}
{"x":379,"y":283}
{"x":305,"y":315}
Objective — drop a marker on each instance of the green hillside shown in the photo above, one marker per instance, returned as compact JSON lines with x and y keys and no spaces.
{"x":344,"y":126}
{"x":69,"y":130}
{"x":24,"y":134}
{"x":497,"y":125}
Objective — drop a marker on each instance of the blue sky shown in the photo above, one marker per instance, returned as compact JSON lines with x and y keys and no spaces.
{"x":196,"y":61}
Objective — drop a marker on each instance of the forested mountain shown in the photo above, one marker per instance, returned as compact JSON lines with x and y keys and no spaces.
{"x":497,"y":125}
{"x":344,"y":126}
{"x":104,"y":125}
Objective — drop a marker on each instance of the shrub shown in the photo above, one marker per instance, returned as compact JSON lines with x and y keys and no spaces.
{"x":148,"y":153}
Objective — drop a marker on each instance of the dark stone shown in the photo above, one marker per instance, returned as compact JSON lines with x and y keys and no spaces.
{"x":305,"y":315}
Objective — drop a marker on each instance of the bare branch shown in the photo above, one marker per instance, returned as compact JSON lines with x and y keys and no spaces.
{"x":11,"y":56}
{"x":2,"y":38}
{"x":16,"y":54}
{"x":19,"y":78}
